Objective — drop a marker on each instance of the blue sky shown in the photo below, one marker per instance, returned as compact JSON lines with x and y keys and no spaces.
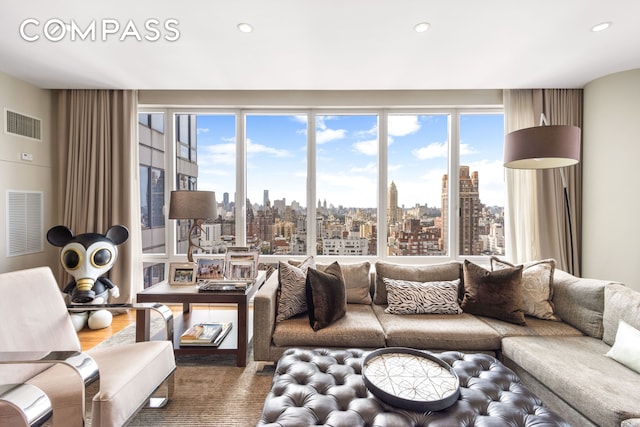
{"x":347,"y":157}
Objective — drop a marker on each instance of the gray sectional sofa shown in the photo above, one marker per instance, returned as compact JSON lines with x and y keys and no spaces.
{"x":562,"y":361}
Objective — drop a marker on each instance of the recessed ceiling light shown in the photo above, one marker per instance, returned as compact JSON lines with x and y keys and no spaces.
{"x":422,"y":27}
{"x":244,"y":27}
{"x":601,"y":27}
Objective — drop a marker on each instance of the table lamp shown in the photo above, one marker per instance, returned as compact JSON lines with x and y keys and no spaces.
{"x":193,"y":205}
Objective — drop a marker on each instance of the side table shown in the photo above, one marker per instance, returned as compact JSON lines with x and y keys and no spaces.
{"x":187,"y":295}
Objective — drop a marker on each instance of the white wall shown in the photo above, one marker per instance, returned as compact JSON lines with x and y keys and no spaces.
{"x":611,"y":169}
{"x":36,"y":175}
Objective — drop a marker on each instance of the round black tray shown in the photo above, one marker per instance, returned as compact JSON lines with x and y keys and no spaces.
{"x":410,"y":379}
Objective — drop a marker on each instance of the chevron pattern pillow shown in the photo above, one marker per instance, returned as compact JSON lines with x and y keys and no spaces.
{"x":407,"y":297}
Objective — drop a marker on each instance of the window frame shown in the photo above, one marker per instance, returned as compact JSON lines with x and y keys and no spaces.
{"x":452,"y":253}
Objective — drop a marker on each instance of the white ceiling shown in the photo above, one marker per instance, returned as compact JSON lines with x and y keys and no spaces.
{"x":326,"y":45}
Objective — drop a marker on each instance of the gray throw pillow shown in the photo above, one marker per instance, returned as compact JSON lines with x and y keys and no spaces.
{"x":357,"y":281}
{"x":416,"y":273}
{"x":326,"y":296}
{"x":537,"y":286}
{"x":407,"y":297}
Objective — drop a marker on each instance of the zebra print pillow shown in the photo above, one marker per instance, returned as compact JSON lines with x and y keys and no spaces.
{"x":292,"y":291}
{"x":406,"y":297}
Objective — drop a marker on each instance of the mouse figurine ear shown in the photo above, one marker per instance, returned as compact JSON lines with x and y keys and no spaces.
{"x":117,"y":234}
{"x":59,"y":235}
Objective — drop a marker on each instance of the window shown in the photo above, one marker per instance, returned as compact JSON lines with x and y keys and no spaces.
{"x":418,"y":158}
{"x":482,"y":188}
{"x":152,"y":192}
{"x":152,"y":182}
{"x":346,"y":182}
{"x":380,"y":181}
{"x":209,"y":166}
{"x":276,"y":220}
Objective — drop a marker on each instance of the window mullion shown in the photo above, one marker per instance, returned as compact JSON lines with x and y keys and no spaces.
{"x":311,"y":183}
{"x":454,"y":185}
{"x":241,"y":178}
{"x":383,"y":159}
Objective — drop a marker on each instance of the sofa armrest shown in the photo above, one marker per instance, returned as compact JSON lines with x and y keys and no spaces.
{"x":264,"y":318}
{"x":580,"y":302}
{"x":631,"y":422}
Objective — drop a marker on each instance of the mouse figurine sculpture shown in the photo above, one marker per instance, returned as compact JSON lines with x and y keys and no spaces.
{"x":87,"y":257}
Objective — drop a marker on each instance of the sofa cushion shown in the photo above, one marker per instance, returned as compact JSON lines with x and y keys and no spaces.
{"x":358,"y":328}
{"x":128,"y":377}
{"x":495,"y":294}
{"x":579,"y":302}
{"x":537,"y":286}
{"x":626,"y":348}
{"x":357,"y":280}
{"x":463,"y":332}
{"x":292,"y":293}
{"x":326,"y":296}
{"x":577,"y":369}
{"x":407,"y":297}
{"x":535,"y":327}
{"x":417,"y":273}
{"x":620,"y":303}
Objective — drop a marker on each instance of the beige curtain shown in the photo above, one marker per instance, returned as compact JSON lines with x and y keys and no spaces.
{"x":98,"y":174}
{"x":538,"y":226}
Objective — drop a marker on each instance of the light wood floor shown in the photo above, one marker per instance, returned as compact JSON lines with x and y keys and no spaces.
{"x":90,"y":338}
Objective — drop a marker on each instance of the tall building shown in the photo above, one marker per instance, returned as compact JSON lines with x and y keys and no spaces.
{"x":265,"y":199}
{"x":393,"y":212}
{"x":469,"y":199}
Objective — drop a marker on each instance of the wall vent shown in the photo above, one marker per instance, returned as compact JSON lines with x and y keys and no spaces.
{"x":22,"y":125}
{"x":24,"y":222}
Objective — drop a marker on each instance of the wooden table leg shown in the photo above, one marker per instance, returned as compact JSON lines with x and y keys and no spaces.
{"x":243,"y":333}
{"x":143,"y":325}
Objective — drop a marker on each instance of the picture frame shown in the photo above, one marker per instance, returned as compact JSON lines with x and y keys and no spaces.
{"x":241,"y":263}
{"x":210,"y":269}
{"x":182,"y":273}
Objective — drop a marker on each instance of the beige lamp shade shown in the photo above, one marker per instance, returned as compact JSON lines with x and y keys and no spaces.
{"x":192,"y":205}
{"x":542,"y":147}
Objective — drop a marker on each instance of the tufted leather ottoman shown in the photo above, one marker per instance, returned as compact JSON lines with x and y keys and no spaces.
{"x":324,"y":387}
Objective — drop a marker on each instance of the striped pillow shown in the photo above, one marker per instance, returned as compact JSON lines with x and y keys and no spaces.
{"x":406,"y":297}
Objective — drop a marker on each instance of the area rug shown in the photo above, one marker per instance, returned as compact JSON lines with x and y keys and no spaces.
{"x":209,"y":391}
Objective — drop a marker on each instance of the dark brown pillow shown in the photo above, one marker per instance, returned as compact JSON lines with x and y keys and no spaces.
{"x":496,"y":294}
{"x":326,"y":296}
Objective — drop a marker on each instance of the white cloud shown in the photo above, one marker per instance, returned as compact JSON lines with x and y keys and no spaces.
{"x":466,"y":149}
{"x":253,"y":148}
{"x":203,"y":130}
{"x":369,"y":168}
{"x":327,"y":135}
{"x":369,"y":148}
{"x":403,"y":125}
{"x":431,"y":151}
{"x":215,"y":154}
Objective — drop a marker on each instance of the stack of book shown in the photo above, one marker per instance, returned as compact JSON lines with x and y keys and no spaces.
{"x":205,"y":334}
{"x":223,"y":285}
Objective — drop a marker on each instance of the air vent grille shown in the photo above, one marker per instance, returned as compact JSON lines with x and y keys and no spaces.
{"x":24,"y":222}
{"x":21,"y":125}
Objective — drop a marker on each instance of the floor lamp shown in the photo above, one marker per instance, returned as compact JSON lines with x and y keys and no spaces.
{"x":545,"y":147}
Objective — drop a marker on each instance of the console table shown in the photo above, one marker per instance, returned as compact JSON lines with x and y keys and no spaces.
{"x":165,"y":293}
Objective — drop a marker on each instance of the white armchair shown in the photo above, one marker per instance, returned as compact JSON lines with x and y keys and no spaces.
{"x":39,"y":346}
